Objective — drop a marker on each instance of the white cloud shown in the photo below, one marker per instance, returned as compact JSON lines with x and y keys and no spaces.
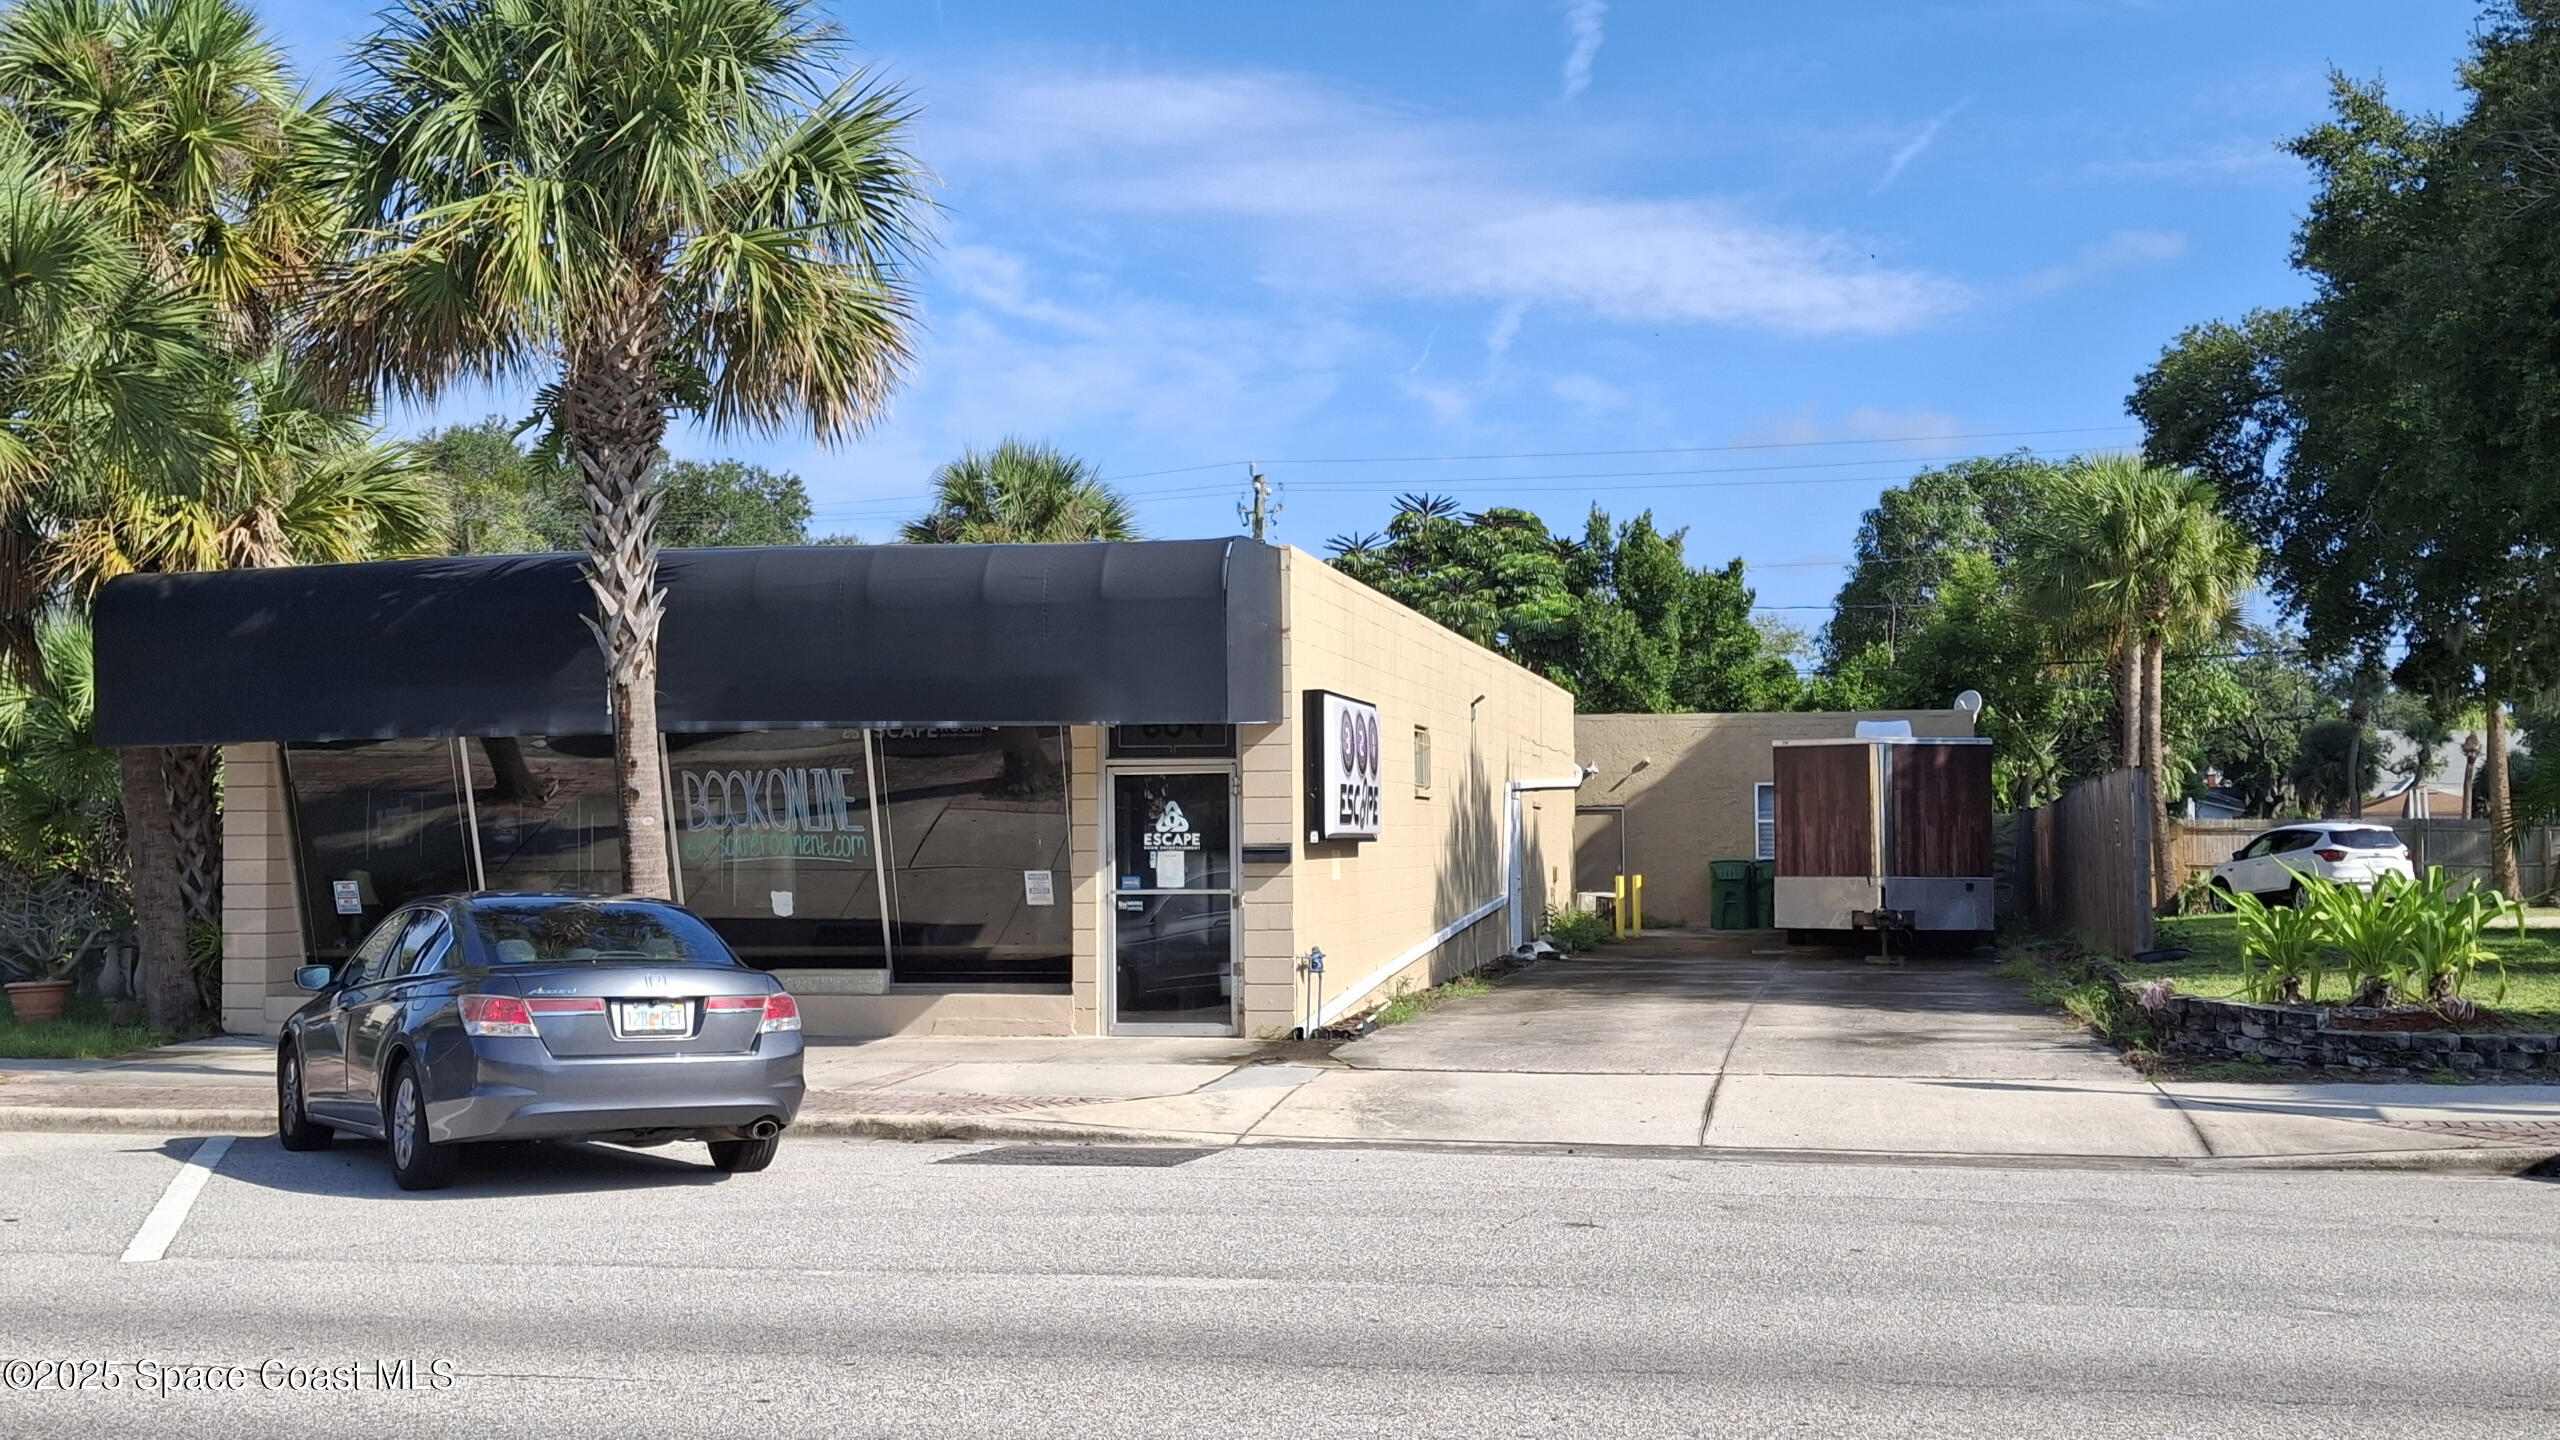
{"x":1506,"y":327}
{"x":1582,"y":22}
{"x":1347,"y":200}
{"x":2123,"y":250}
{"x":1913,"y":148}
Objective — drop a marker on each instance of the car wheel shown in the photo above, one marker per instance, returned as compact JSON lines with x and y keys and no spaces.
{"x":417,"y":1163}
{"x":2218,"y":896}
{"x":295,"y":1129}
{"x":741,"y":1157}
{"x":2290,"y":896}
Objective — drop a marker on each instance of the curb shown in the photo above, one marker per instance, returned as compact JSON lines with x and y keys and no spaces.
{"x":2474,"y":1160}
{"x":74,"y":1118}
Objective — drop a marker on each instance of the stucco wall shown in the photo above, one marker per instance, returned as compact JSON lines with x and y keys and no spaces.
{"x":1440,"y":854}
{"x":1686,"y":784}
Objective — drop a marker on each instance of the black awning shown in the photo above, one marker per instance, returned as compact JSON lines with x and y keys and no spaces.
{"x":1165,"y":631}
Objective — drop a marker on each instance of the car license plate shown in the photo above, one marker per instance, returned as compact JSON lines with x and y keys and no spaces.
{"x":655,"y":1017}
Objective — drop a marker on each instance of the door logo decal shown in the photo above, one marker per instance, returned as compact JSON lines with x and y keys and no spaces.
{"x":1171,"y":830}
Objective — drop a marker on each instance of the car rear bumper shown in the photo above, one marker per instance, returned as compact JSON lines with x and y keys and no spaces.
{"x":513,"y":1095}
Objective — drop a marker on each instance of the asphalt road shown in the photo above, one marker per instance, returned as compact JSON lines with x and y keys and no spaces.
{"x":882,"y":1289}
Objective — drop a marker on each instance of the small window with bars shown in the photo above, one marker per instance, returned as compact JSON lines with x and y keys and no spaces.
{"x":1764,"y":821}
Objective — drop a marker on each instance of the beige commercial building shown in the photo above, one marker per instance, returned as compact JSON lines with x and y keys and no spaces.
{"x":1669,"y":794}
{"x":1155,"y":788}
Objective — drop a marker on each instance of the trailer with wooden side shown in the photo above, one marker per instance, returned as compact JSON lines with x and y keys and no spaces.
{"x":1884,"y":833}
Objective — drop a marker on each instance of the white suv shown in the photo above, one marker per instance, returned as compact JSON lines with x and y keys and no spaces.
{"x":2349,"y":853}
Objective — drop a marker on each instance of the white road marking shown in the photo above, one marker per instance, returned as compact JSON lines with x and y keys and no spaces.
{"x":161,"y":1225}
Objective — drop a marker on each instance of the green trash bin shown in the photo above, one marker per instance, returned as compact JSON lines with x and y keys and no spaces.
{"x":1764,"y":894}
{"x":1730,"y":895}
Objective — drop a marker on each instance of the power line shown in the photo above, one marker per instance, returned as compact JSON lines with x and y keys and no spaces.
{"x":1575,"y":480}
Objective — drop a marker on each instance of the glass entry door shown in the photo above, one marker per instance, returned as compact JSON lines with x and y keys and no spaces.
{"x":1173,"y":907}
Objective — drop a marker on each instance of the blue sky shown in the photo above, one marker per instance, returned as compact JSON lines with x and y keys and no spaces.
{"x":1741,"y":264}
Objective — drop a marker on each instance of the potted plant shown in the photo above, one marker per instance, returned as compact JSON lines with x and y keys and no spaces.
{"x":45,"y":930}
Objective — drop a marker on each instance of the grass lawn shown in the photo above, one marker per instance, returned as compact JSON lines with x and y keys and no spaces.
{"x":83,"y":1033}
{"x":2533,"y":968}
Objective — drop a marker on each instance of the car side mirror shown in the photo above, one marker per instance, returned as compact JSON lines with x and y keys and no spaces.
{"x":315,"y":977}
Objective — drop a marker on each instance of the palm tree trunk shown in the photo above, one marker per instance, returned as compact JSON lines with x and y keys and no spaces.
{"x":2165,"y":868}
{"x":2129,"y":699}
{"x":2503,"y":876}
{"x":170,"y":999}
{"x":613,"y":412}
{"x":2470,"y":772}
{"x":622,"y":571}
{"x":195,"y":824}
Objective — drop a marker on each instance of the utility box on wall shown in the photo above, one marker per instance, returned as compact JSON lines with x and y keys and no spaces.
{"x":1890,"y":832}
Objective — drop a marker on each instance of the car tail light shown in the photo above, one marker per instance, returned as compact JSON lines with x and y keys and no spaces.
{"x":781,"y":1012}
{"x":2332,"y":856}
{"x":727,"y":1004}
{"x":495,"y":1015}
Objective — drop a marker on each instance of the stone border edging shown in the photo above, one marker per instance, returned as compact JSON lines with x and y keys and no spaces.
{"x":2201,"y":1027}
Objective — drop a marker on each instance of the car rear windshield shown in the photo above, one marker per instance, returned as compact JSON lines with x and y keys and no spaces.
{"x":2370,"y":838}
{"x":564,"y":932}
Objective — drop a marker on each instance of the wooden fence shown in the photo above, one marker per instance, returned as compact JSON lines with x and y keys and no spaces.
{"x":2460,"y":846}
{"x":2082,"y":865}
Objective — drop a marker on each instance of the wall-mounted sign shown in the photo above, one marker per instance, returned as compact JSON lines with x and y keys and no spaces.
{"x":1039,"y":887}
{"x":348,"y":896}
{"x":1343,"y":768}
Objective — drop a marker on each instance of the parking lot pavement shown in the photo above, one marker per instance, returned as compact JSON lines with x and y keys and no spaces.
{"x":864,"y":1288}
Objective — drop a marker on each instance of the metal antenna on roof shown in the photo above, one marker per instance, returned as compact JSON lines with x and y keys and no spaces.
{"x":1261,"y":510}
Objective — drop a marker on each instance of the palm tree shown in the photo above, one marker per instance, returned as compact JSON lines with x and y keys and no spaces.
{"x":1020,"y":493}
{"x":655,"y":206}
{"x":108,"y":386}
{"x":2138,"y":557}
{"x":177,"y":120}
{"x":58,"y":790}
{"x":174,"y":126}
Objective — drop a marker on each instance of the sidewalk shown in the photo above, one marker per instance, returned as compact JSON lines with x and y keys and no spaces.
{"x":1679,"y":1046}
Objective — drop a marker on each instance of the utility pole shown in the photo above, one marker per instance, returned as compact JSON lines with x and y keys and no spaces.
{"x":1259,"y":512}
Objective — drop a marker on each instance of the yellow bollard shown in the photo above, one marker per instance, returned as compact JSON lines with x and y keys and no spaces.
{"x":1635,"y":902}
{"x":1618,"y":908}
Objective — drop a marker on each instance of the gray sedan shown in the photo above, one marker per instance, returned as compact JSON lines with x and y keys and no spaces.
{"x":554,"y":1017}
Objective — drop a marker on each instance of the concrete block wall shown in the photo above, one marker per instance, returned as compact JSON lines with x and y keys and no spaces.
{"x":1270,"y":783}
{"x":1440,"y":853}
{"x":1084,"y":889}
{"x":1686,"y":782}
{"x":262,"y":941}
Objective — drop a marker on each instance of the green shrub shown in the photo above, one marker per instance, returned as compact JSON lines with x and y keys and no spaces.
{"x":2280,"y":954}
{"x":2423,"y":942}
{"x":1574,"y":928}
{"x":2369,"y":928}
{"x":2447,"y":938}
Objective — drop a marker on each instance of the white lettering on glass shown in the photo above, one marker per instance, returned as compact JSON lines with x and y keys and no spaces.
{"x":799,"y":812}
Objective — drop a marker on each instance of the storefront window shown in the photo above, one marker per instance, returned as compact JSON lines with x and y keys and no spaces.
{"x":976,"y":834}
{"x":381,"y":824}
{"x":781,"y":843}
{"x":775,"y":837}
{"x":549,"y":822}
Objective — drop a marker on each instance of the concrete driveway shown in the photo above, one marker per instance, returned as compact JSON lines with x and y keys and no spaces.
{"x":1735,"y":1041}
{"x":1745,"y":1003}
